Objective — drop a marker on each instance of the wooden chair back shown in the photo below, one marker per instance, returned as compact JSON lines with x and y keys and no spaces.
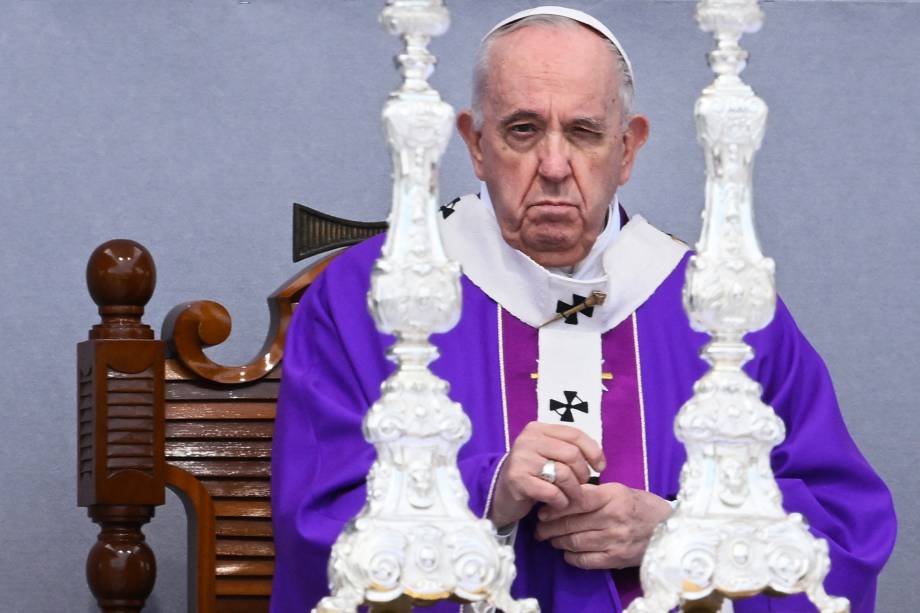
{"x":157,"y":413}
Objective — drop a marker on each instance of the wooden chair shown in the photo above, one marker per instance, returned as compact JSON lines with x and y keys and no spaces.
{"x":156,"y":413}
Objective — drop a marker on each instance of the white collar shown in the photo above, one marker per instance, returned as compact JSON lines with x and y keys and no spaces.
{"x":635,"y":260}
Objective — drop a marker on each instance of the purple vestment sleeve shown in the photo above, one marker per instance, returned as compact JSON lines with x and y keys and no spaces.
{"x":319,"y":458}
{"x":820,"y":471}
{"x":334,"y":364}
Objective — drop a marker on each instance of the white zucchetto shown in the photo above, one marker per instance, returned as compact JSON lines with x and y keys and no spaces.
{"x":575,"y":15}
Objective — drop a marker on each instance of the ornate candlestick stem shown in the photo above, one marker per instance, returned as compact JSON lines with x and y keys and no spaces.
{"x":729,"y":536}
{"x":415,"y":540}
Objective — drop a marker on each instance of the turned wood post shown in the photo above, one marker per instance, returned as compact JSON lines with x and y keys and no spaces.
{"x":120,"y":425}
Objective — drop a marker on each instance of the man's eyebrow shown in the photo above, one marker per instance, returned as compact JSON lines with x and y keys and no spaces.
{"x":519,"y":115}
{"x":591,"y":123}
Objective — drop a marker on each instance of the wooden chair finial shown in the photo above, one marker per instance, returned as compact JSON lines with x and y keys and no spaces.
{"x":121,"y":277}
{"x":121,"y":474}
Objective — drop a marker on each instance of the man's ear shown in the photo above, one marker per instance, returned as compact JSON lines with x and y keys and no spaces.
{"x":634,"y":136}
{"x":471,"y":136}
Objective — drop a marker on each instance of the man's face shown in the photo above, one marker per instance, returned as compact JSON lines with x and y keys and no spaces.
{"x":552,"y":147}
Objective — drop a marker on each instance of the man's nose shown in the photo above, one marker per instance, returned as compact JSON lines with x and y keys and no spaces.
{"x":555,"y":162}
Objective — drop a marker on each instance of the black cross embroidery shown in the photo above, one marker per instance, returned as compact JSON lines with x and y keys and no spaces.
{"x":562,"y":307}
{"x":448,"y":209}
{"x":564,"y":409}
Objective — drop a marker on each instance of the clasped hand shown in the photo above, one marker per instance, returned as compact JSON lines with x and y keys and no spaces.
{"x":597,"y":526}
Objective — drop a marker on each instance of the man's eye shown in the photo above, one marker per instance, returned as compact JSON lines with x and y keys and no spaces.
{"x":522,"y":129}
{"x":586,"y":133}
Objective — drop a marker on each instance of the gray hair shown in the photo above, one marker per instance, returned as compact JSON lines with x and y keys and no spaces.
{"x":481,"y":66}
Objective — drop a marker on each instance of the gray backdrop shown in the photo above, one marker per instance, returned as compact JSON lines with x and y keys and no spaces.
{"x":191,"y":126}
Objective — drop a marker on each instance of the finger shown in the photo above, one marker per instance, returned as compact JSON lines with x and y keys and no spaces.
{"x":562,"y":493}
{"x":560,"y":443}
{"x":589,"y":448}
{"x":561,"y":452}
{"x":538,"y":490}
{"x":581,"y":542}
{"x":570,"y":524}
{"x":529,"y":463}
{"x":523,"y":475}
{"x":569,"y":484}
{"x":588,"y":560}
{"x":592,"y":498}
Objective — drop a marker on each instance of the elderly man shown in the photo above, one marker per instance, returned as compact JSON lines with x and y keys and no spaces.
{"x":572,"y":447}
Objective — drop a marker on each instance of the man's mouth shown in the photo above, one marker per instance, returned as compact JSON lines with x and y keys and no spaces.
{"x":552,"y":204}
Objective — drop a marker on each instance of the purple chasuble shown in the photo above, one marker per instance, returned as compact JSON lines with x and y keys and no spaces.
{"x":334,"y":364}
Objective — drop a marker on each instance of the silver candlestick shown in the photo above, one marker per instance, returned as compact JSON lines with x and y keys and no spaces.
{"x":729,"y":536}
{"x":415,"y":541}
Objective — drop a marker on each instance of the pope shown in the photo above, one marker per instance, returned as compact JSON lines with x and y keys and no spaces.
{"x":572,"y":355}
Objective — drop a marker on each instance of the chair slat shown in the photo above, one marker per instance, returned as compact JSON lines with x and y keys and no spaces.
{"x":245,"y":568}
{"x":239,"y":587}
{"x":219,"y":429}
{"x":244,"y":527}
{"x":238,"y":488}
{"x":182,"y":390}
{"x":219,"y":449}
{"x":224,"y":468}
{"x":220,"y":410}
{"x":243,"y":548}
{"x":242,"y":508}
{"x":242,"y":604}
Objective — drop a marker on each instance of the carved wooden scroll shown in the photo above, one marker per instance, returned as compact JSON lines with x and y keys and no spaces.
{"x":192,"y":327}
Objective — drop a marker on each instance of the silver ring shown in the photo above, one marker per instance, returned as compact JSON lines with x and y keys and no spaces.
{"x":548,"y":472}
